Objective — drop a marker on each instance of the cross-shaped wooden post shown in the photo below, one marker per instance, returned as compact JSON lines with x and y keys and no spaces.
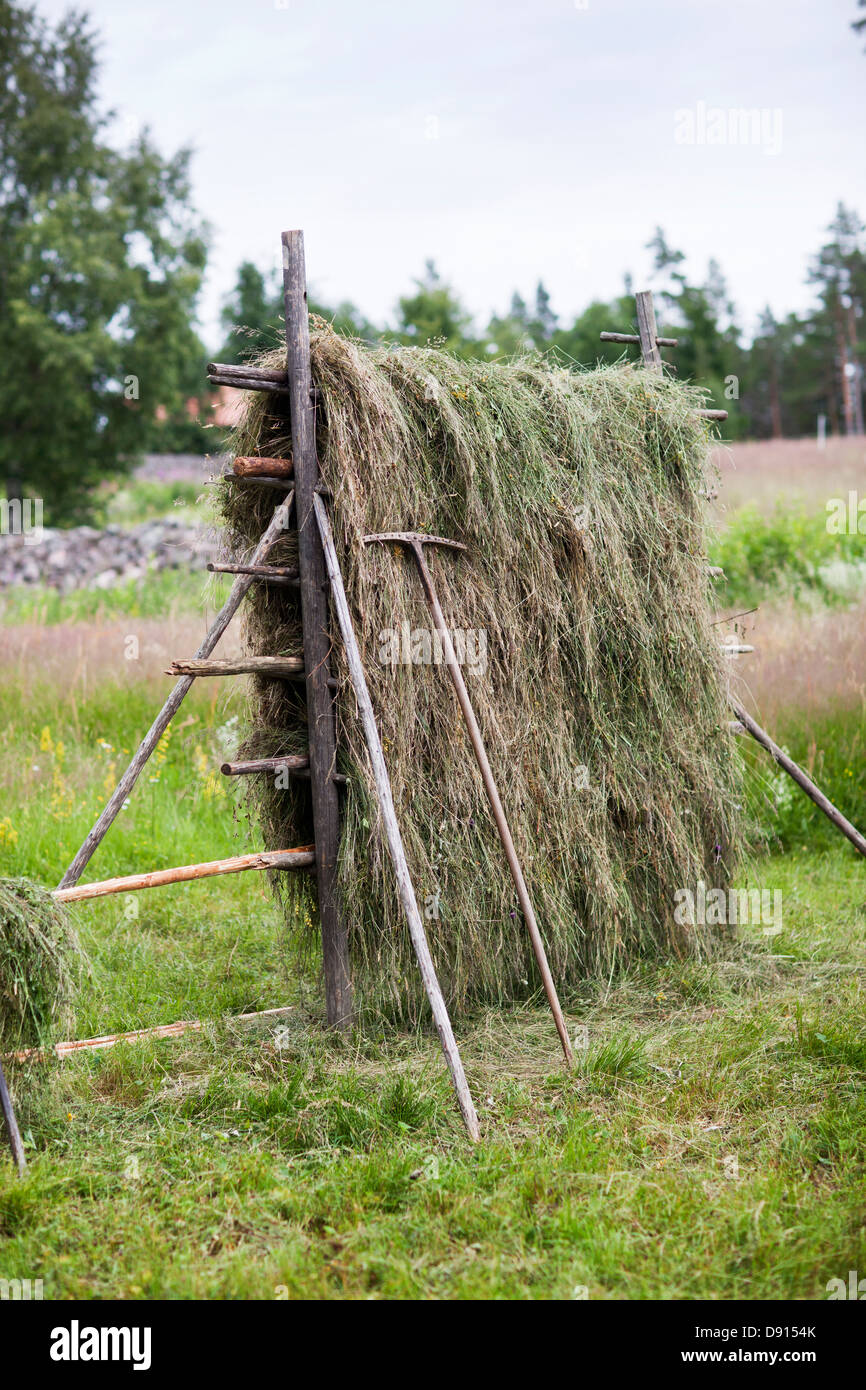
{"x":649,"y":342}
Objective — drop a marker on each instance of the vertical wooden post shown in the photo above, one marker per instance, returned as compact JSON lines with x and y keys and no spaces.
{"x":646,"y":327}
{"x":317,"y":642}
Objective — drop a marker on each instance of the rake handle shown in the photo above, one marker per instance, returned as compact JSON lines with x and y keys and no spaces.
{"x":493,"y":797}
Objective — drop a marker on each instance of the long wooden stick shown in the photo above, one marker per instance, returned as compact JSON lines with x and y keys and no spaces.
{"x":62,"y":1050}
{"x":246,"y":369}
{"x":317,"y":638}
{"x":799,"y":776}
{"x":392,"y":829}
{"x":278,"y":525}
{"x":241,"y":481}
{"x":12,"y":1129}
{"x":635,"y":338}
{"x":265,"y":859}
{"x":247,"y":383}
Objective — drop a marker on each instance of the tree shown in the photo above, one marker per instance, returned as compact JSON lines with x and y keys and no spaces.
{"x":839,"y":272}
{"x":858,"y":25}
{"x":101,"y":259}
{"x":252,"y":316}
{"x":511,"y":334}
{"x":434,"y":316}
{"x":545,"y":320}
{"x":701,"y":317}
{"x":582,"y":342}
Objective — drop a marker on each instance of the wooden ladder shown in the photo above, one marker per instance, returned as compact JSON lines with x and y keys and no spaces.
{"x":298,"y":480}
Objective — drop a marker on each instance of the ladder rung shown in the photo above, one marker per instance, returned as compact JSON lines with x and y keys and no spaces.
{"x":281,"y":667}
{"x":281,"y":483}
{"x":248,"y":466}
{"x":291,"y":762}
{"x":302,"y":858}
{"x":274,"y":574}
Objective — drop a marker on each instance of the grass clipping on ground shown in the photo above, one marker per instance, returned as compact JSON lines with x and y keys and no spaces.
{"x":594,"y":671}
{"x":37,"y":950}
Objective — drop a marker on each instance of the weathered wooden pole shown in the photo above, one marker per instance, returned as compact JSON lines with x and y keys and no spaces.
{"x":12,"y":1129}
{"x":392,"y":829}
{"x":317,"y":639}
{"x":278,"y":525}
{"x":647,"y":331}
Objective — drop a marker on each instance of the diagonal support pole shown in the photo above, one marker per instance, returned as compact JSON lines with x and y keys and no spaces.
{"x":11,"y":1125}
{"x":392,"y":829}
{"x":278,"y":524}
{"x":796,"y":773}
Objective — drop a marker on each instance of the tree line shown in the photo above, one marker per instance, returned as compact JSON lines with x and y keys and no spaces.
{"x":102,"y":257}
{"x":793,"y":370}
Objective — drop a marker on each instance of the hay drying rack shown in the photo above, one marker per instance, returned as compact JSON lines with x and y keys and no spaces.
{"x":302,"y":493}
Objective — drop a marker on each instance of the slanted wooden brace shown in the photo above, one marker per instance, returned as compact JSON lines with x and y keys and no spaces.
{"x":650,"y":343}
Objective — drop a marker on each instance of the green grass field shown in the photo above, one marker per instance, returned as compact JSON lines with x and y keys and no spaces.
{"x":711,"y":1143}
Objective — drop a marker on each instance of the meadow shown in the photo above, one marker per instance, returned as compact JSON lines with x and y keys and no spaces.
{"x":711,"y":1142}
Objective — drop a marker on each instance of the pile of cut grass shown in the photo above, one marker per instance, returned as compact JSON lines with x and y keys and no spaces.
{"x":601,"y":695}
{"x":37,"y":947}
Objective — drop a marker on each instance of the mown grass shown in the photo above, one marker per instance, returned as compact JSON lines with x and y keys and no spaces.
{"x":711,"y":1145}
{"x":711,"y":1142}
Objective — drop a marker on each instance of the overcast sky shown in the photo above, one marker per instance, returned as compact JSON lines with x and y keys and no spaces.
{"x":507,"y":139}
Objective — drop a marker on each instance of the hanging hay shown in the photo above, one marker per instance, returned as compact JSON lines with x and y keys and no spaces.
{"x":37,"y":946}
{"x":590,"y":660}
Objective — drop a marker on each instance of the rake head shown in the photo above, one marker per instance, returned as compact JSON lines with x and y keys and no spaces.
{"x":414,"y":539}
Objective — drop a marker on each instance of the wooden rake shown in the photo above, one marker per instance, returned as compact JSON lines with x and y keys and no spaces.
{"x":415,"y":542}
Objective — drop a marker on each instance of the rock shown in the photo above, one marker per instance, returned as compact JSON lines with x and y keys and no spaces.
{"x":84,"y":557}
{"x":106,"y":579}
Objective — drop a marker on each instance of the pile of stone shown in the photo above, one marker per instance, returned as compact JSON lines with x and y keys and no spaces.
{"x":84,"y":557}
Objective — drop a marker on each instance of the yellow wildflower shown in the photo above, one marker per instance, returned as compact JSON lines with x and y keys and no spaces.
{"x":162,"y":747}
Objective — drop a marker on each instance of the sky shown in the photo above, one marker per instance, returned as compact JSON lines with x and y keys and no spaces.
{"x":509,"y":140}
